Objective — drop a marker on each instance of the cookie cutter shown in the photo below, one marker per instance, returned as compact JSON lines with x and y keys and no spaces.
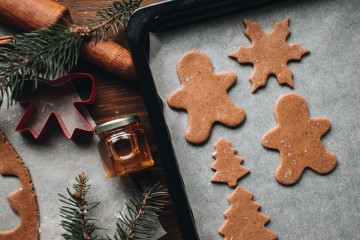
{"x":31,"y":108}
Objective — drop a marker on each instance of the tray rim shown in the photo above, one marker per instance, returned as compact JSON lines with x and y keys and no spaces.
{"x":159,"y":18}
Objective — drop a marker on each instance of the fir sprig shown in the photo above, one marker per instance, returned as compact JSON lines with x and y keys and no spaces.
{"x":75,"y":214}
{"x":114,"y":16}
{"x":140,"y":221}
{"x":49,"y":52}
{"x":38,"y":55}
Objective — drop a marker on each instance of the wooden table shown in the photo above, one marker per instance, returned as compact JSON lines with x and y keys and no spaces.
{"x":117,"y":97}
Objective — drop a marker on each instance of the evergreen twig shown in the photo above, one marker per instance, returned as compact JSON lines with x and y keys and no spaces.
{"x":76,"y":220}
{"x":53,"y":51}
{"x":140,"y":221}
{"x":114,"y":16}
{"x":42,"y":54}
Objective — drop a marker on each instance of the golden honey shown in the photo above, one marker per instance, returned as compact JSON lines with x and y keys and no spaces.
{"x":123,"y":146}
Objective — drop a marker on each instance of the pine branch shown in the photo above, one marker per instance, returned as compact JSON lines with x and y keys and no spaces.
{"x":76,"y":221}
{"x":117,"y":14}
{"x":50,"y":52}
{"x":140,"y":223}
{"x":41,"y":54}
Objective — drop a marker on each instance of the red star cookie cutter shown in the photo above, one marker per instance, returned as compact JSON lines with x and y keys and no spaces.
{"x":53,"y":100}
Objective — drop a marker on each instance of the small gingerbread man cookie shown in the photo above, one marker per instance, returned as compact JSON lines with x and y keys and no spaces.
{"x":298,"y":138}
{"x":204,"y":96}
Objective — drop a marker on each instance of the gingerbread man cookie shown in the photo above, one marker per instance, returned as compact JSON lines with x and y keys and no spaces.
{"x":269,"y":53}
{"x":204,"y":96}
{"x":298,"y":138}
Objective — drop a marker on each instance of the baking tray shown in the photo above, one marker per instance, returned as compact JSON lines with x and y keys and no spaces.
{"x":318,"y":207}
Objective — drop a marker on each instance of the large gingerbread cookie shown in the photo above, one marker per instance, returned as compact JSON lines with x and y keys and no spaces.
{"x":23,"y":199}
{"x":298,"y":138}
{"x":269,"y":53}
{"x":204,"y":96}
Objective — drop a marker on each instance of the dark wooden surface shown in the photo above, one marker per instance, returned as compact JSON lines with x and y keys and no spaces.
{"x":117,"y":97}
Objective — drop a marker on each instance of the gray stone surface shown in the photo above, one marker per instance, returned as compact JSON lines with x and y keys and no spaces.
{"x":318,"y":207}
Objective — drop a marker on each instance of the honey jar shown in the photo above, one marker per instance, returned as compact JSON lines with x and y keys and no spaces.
{"x":123,"y":146}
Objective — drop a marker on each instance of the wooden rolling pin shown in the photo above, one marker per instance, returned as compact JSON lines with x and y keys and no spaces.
{"x":28,"y":15}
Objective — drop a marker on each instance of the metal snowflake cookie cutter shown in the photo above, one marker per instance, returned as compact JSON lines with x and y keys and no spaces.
{"x":52,"y":103}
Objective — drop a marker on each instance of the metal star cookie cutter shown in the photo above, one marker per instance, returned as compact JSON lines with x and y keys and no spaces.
{"x":52,"y":102}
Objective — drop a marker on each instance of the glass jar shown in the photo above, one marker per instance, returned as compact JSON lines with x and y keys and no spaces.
{"x":123,"y":146}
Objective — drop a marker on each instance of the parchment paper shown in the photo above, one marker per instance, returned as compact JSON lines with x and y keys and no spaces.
{"x":53,"y":163}
{"x":318,"y":207}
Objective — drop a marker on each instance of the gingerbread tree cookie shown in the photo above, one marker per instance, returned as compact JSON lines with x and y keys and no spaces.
{"x":23,"y":199}
{"x":269,"y":53}
{"x":203,"y":95}
{"x":298,"y":138}
{"x":244,"y":222}
{"x":227,"y":164}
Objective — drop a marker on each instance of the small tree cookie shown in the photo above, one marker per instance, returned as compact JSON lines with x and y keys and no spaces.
{"x":204,"y":96}
{"x":227,"y":164}
{"x":269,"y":53}
{"x":298,"y":138}
{"x":244,"y":222}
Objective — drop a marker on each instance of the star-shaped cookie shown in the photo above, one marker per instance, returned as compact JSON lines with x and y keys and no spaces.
{"x":298,"y":138}
{"x":204,"y":96}
{"x":269,"y":53}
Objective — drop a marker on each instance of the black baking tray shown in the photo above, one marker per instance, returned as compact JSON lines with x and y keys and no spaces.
{"x":158,"y":18}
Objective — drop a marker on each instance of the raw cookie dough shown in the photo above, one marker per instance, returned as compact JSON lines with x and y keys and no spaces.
{"x":244,"y":222}
{"x":297,"y":137}
{"x":203,"y":95}
{"x":227,"y":164}
{"x":23,"y":199}
{"x":269,"y":53}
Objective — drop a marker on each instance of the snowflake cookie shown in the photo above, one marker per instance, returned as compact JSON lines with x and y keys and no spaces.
{"x":269,"y":53}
